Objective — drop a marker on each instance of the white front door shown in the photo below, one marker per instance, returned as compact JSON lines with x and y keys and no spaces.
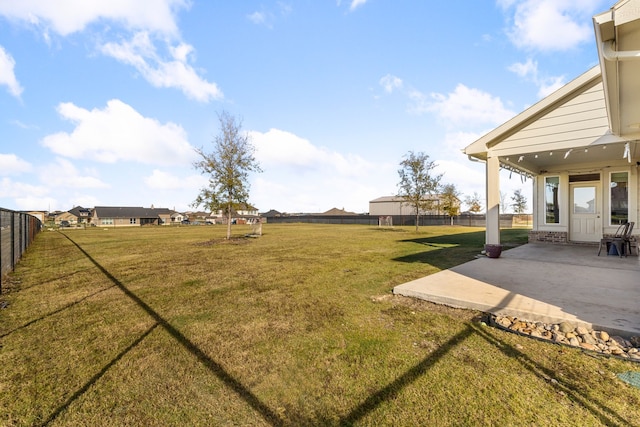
{"x":586,"y":224}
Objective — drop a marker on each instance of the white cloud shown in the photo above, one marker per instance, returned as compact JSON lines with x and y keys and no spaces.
{"x":390,"y":83}
{"x":269,"y":17}
{"x":119,"y":133}
{"x":466,"y":176}
{"x":356,"y":3}
{"x":69,"y":16}
{"x":281,"y":149}
{"x":456,"y":141}
{"x":526,"y":69}
{"x":160,"y":180}
{"x":10,"y":189}
{"x":11,"y":164}
{"x":550,"y":85}
{"x":529,"y":71}
{"x":176,"y":72}
{"x":148,"y":19}
{"x":64,"y":174}
{"x":323,"y":178}
{"x":550,"y":25}
{"x":7,"y":74}
{"x":468,"y":107}
{"x":257,"y":17}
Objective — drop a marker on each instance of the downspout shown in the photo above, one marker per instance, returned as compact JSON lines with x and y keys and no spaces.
{"x":610,"y":54}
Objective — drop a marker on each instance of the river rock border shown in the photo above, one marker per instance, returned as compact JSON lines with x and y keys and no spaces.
{"x":569,"y":334}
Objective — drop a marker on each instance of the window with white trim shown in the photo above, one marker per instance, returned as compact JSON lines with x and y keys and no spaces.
{"x":551,"y":200}
{"x":619,"y":198}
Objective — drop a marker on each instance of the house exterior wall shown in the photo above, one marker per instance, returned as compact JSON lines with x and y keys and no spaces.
{"x":66,"y":216}
{"x":398,"y":207}
{"x":577,"y":122}
{"x":559,"y":233}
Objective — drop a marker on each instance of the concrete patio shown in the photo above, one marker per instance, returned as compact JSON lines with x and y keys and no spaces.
{"x":543,"y":282}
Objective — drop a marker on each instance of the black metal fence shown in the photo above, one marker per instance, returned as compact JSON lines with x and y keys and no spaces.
{"x":17,"y":231}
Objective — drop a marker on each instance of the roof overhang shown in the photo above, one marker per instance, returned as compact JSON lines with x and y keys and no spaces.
{"x":617,"y":34}
{"x":602,"y":150}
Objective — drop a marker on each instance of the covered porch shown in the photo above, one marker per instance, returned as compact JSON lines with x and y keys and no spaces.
{"x":579,"y":145}
{"x":545,"y":283}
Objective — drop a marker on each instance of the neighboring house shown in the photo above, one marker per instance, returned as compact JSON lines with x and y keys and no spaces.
{"x":177,"y":217}
{"x":271,"y":214}
{"x":116,"y":216}
{"x":395,"y":205}
{"x":196,"y":216}
{"x":83,"y":215}
{"x":337,"y":212}
{"x":579,"y":145}
{"x":69,"y":218}
{"x":41,"y":215}
{"x":241,"y":213}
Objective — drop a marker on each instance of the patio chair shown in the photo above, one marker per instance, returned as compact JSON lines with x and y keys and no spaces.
{"x":616,"y":239}
{"x":623,"y":243}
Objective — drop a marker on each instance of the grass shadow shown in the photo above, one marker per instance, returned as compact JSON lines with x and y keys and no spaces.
{"x":97,"y":376}
{"x":61,"y":309}
{"x":449,"y":250}
{"x":605,"y":414}
{"x":391,"y":390}
{"x":240,"y":389}
{"x":445,"y":251}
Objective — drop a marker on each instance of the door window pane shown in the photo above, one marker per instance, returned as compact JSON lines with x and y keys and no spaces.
{"x":619,"y":198}
{"x":552,"y":206}
{"x":584,"y":200}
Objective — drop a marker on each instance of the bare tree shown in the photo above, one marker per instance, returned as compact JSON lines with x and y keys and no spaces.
{"x":416,"y":183}
{"x":227,"y":167}
{"x":504,"y":205}
{"x":474,"y":203}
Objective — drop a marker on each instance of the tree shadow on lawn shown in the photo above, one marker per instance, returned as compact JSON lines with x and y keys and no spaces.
{"x":388,"y":393}
{"x":371,"y":403}
{"x":448,"y":250}
{"x":445,"y":251}
{"x":251,"y":399}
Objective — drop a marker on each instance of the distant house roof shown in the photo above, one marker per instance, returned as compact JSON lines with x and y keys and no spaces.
{"x":387,"y":199}
{"x":129,"y":212}
{"x":79,"y":211}
{"x":336,"y":211}
{"x":270,"y":214}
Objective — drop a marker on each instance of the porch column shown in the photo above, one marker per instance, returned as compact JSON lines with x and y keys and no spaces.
{"x":492,"y":235}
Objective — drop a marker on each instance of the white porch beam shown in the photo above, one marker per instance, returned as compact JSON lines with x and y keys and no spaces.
{"x":492,"y":235}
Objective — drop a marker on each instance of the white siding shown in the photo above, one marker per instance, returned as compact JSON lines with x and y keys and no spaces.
{"x":578,"y":122}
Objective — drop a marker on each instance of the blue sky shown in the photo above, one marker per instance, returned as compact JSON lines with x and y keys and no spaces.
{"x":103,"y":103}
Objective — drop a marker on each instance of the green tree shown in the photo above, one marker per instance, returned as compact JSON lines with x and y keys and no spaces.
{"x":450,"y":200}
{"x":227,"y":167}
{"x":474,"y":203}
{"x":417,"y":183}
{"x":519,"y":202}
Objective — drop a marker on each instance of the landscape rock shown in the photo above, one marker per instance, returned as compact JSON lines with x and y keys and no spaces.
{"x":569,"y":334}
{"x":581,"y":330}
{"x":566,"y":327}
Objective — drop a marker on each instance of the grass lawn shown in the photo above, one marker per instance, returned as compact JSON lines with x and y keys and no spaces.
{"x":173,"y":326}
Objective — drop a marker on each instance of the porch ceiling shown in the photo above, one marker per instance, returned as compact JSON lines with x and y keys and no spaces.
{"x":578,"y":159}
